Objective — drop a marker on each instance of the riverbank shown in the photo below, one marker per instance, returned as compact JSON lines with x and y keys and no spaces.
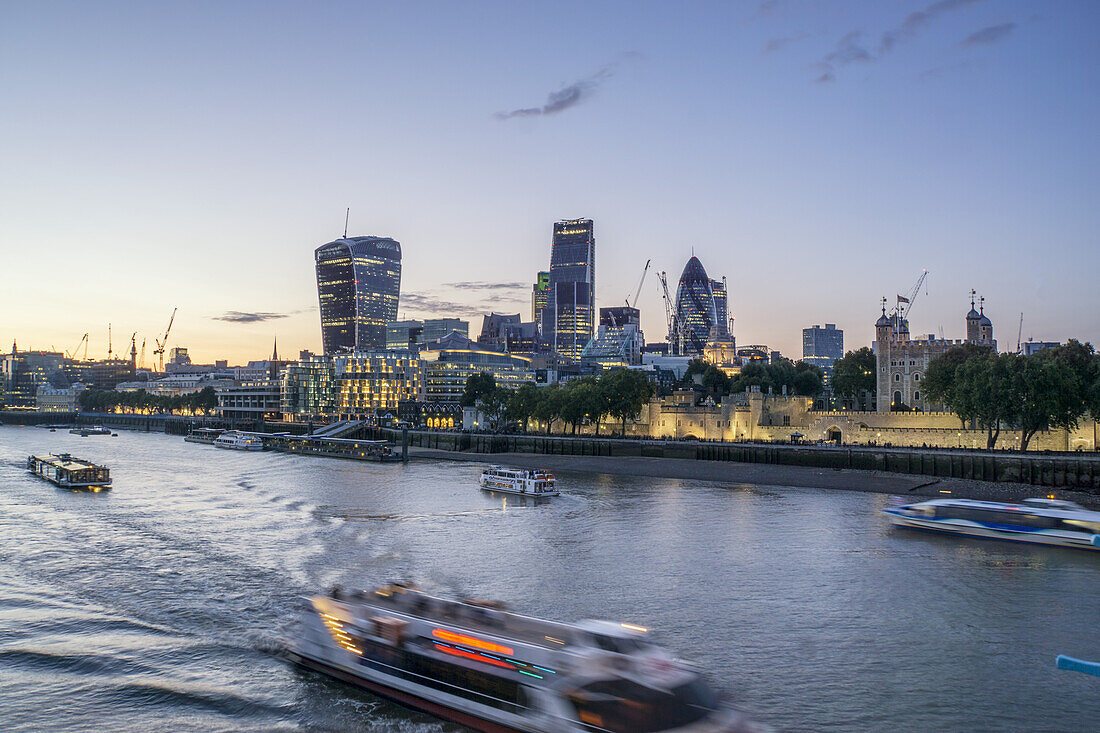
{"x":764,"y":475}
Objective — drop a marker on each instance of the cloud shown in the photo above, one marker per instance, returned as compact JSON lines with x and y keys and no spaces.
{"x":765,"y":8}
{"x":852,"y":49}
{"x":482,"y":285}
{"x":938,"y":71}
{"x":249,"y":316}
{"x":563,"y":99}
{"x":992,"y":34}
{"x":776,"y":44}
{"x":825,"y":78}
{"x":916,"y":21}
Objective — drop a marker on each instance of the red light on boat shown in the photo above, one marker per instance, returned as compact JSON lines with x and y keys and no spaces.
{"x":473,"y":656}
{"x":470,"y":641}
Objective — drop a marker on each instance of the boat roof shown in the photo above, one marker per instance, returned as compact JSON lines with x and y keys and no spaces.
{"x":1054,"y":507}
{"x":69,"y":464}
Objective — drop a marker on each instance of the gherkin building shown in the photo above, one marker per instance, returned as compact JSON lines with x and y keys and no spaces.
{"x":700,"y":306}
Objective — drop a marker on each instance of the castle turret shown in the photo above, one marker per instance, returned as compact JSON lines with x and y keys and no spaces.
{"x":973,"y":319}
{"x":985,"y":326}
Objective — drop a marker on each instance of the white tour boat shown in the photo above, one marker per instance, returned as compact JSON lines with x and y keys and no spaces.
{"x":518,"y":481}
{"x":474,"y":663}
{"x":1038,"y":521}
{"x":238,"y":441}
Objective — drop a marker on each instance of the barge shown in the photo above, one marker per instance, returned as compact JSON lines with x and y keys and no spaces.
{"x":206,"y":436}
{"x":69,"y":472}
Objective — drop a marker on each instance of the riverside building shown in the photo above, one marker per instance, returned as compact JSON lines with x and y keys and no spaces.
{"x":358,"y":285}
{"x":618,"y":341}
{"x":449,"y":362}
{"x":369,"y":383}
{"x":568,"y":319}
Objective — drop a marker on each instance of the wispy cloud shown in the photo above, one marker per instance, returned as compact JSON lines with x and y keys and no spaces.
{"x":249,"y":316}
{"x":482,"y":285}
{"x":430,"y":303}
{"x":776,"y":44}
{"x":567,"y":97}
{"x":765,"y":8}
{"x":938,"y":71}
{"x":916,"y":21}
{"x":992,"y":34}
{"x":851,"y":48}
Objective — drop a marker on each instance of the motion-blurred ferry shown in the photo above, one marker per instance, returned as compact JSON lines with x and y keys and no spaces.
{"x":238,"y":441}
{"x":518,"y":481}
{"x":1038,"y":521}
{"x":476,"y":664}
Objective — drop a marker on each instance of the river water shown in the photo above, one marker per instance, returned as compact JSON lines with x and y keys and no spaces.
{"x":165,"y":603}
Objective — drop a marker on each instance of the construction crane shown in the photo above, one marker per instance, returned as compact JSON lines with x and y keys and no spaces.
{"x":133,"y":350}
{"x":675,"y":336}
{"x":83,"y":342}
{"x":908,"y":300}
{"x":1020,"y":334}
{"x":638,"y":290}
{"x":109,"y":351}
{"x":142,"y":362}
{"x":161,"y":343}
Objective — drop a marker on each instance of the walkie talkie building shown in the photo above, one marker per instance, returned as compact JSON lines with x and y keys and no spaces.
{"x":358,"y":284}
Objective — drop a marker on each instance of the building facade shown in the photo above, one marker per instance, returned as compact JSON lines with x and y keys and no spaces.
{"x":822,"y":347}
{"x":902,"y":360}
{"x":618,"y":341}
{"x":701,"y":314}
{"x":254,"y":400}
{"x":370,"y":383}
{"x":358,"y":286}
{"x":448,"y":363}
{"x":568,"y":319}
{"x":22,"y":372}
{"x":307,"y":388}
{"x":539,"y":291}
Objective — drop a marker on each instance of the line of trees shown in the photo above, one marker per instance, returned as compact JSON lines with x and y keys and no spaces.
{"x":108,"y":400}
{"x":854,"y":380}
{"x":800,"y":378}
{"x":618,"y":393}
{"x":1053,"y":388}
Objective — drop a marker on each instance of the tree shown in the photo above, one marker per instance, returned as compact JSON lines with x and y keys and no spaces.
{"x":521,"y":404}
{"x":477,"y":386}
{"x":627,"y":391}
{"x":939,"y":377}
{"x":548,"y":406}
{"x":983,"y":391}
{"x":854,"y":377}
{"x":809,"y":379}
{"x":1045,"y":395}
{"x":576,"y":402}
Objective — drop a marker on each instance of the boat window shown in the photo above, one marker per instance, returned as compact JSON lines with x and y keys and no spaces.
{"x":620,"y":645}
{"x":622,"y":706}
{"x":998,"y":516}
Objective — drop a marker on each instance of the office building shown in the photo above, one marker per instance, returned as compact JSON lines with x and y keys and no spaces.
{"x":821,"y":347}
{"x":307,"y":388}
{"x":701,"y":313}
{"x":358,"y":285}
{"x":539,"y":291}
{"x":618,"y":341}
{"x":568,"y":320}
{"x":411,"y":335}
{"x":22,"y":372}
{"x":449,"y":362}
{"x":506,"y":332}
{"x":373,"y":383}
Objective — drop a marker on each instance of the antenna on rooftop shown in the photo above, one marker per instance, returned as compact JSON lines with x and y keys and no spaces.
{"x":346,"y":215}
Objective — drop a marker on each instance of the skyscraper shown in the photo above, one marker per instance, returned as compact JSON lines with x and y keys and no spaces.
{"x":539,"y":292}
{"x":821,"y":347}
{"x":568,"y":320}
{"x":358,"y":283}
{"x":700,"y":311}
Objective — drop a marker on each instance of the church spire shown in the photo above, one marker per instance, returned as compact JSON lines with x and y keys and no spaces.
{"x":275,"y":349}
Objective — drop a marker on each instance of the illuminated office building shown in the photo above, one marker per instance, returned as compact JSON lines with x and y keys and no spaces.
{"x":367,"y":383}
{"x":447,"y":364}
{"x":539,"y":291}
{"x":618,"y":341}
{"x":358,"y":283}
{"x":700,"y":311}
{"x":568,"y":319}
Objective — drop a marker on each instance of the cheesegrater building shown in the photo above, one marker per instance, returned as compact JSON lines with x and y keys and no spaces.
{"x":358,"y":283}
{"x":568,"y":318}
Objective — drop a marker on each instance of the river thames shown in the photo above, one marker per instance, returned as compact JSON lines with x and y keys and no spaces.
{"x":165,"y":603}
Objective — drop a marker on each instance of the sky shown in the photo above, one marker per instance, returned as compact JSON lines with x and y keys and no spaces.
{"x":820,"y":156}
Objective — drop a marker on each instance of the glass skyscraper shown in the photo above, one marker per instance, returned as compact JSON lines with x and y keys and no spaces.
{"x":700,"y":307}
{"x":822,"y":347}
{"x":568,"y":319}
{"x":358,"y":283}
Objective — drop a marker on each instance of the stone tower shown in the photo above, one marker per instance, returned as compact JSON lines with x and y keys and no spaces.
{"x":973,"y":321}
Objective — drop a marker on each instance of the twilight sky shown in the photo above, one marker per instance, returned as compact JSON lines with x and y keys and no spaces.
{"x":819,"y":155}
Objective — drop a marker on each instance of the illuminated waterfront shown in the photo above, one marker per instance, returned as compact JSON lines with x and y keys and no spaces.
{"x":164,"y":604}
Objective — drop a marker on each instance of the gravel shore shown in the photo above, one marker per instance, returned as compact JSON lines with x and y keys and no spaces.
{"x":765,"y":475}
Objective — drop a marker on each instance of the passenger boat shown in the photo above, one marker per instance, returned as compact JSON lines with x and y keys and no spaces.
{"x":94,"y":430}
{"x":238,"y":441}
{"x":70,"y":473}
{"x":474,"y":663}
{"x":1038,"y":521}
{"x":518,"y":481}
{"x":206,"y":436}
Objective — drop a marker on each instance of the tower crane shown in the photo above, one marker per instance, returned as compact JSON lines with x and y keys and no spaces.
{"x":638,"y":290}
{"x":142,"y":362}
{"x":109,"y":351}
{"x":903,"y":313}
{"x":675,"y":335}
{"x":83,"y":342}
{"x":1020,"y":334}
{"x":133,"y":350}
{"x":161,"y":343}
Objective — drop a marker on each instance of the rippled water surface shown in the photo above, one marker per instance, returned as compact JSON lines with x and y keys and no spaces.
{"x":165,"y":603}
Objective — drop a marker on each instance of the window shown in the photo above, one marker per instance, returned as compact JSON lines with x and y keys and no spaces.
{"x":916,"y":395}
{"x":916,"y":376}
{"x":897,"y":377}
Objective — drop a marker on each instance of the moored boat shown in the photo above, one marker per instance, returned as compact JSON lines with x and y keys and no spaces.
{"x":69,"y":472}
{"x":237,"y":440}
{"x":475,"y":663}
{"x":1052,"y":522}
{"x":518,"y":481}
{"x":206,"y":436}
{"x":93,"y":430}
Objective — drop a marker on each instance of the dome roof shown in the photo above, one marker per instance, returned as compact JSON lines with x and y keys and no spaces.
{"x":883,"y":320}
{"x":694,"y":271}
{"x":984,"y":321}
{"x":973,"y":315}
